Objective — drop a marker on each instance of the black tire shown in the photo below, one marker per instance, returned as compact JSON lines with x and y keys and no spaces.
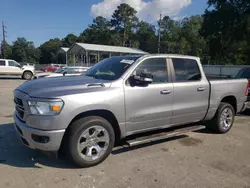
{"x":27,"y":75}
{"x":216,"y":125}
{"x":75,"y":131}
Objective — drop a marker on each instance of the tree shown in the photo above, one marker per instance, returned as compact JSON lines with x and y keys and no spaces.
{"x":25,"y":51}
{"x":6,"y":50}
{"x":226,"y":27}
{"x":49,"y":51}
{"x":69,"y":40}
{"x":98,"y":32}
{"x":124,"y":20}
{"x":145,"y":35}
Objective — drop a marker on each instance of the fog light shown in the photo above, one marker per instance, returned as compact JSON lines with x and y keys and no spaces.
{"x":40,"y":139}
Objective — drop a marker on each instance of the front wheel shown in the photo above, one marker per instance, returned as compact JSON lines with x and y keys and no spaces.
{"x":90,"y":141}
{"x":27,"y":75}
{"x":223,"y":119}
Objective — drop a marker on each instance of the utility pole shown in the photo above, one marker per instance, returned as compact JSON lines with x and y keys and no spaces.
{"x":159,"y":36}
{"x":4,"y":39}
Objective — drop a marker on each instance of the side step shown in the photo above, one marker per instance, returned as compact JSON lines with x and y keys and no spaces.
{"x":164,"y":135}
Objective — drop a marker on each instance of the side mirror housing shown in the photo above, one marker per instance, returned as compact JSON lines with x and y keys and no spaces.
{"x":64,"y":73}
{"x":145,"y":78}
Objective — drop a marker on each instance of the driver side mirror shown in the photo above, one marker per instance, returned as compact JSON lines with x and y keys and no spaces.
{"x":144,"y":78}
{"x":64,"y":73}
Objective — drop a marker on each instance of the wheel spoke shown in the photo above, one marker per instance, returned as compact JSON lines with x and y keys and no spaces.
{"x":98,"y":149}
{"x":97,"y":132}
{"x":93,"y":143}
{"x":82,"y":146}
{"x":103,"y":138}
{"x":89,"y":151}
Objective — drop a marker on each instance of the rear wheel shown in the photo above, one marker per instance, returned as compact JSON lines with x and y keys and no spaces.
{"x":90,"y":141}
{"x":223,"y":119}
{"x":27,"y":75}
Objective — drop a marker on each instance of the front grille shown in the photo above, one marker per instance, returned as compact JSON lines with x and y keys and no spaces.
{"x":18,"y":101}
{"x":19,"y":107}
{"x":20,"y":112}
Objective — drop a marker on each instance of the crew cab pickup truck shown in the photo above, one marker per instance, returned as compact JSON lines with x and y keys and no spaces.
{"x":122,"y":96}
{"x":11,"y":67}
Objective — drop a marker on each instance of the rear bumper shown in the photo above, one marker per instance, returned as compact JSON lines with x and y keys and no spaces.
{"x":38,"y":139}
{"x":246,"y":105}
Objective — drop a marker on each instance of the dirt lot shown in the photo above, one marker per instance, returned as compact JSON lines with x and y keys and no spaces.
{"x":198,"y":160}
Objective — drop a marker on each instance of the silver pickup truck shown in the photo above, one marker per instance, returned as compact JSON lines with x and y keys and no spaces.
{"x":121,"y":96}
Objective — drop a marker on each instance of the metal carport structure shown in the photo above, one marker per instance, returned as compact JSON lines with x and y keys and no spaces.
{"x":63,"y":50}
{"x":85,"y":51}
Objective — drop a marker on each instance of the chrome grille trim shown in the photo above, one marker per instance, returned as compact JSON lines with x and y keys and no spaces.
{"x":19,"y":108}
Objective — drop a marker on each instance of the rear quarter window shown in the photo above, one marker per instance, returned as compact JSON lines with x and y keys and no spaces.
{"x":186,"y":70}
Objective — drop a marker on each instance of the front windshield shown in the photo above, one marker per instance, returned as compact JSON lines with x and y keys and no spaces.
{"x":111,"y":68}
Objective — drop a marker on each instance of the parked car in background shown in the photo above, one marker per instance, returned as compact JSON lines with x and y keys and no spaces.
{"x":11,"y":67}
{"x":64,"y":71}
{"x":244,"y":73}
{"x":122,"y":96}
{"x":50,"y":68}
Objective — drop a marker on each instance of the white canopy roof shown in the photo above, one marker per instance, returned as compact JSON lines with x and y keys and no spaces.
{"x":81,"y":47}
{"x":63,"y":50}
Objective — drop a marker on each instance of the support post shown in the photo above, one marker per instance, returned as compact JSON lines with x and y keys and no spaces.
{"x":98,"y":56}
{"x":87,"y":58}
{"x":66,"y":58}
{"x":74,"y":59}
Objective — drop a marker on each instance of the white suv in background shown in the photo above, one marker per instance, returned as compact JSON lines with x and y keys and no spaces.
{"x":11,"y":67}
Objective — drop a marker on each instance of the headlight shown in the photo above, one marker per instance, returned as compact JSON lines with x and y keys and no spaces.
{"x":45,"y":108}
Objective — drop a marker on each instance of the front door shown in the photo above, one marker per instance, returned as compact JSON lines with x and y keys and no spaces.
{"x":191,"y":92}
{"x":14,"y":68}
{"x":149,"y":106}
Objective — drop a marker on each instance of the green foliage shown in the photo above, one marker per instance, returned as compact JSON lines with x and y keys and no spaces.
{"x":6,"y":50}
{"x":98,"y":32}
{"x":124,"y":20}
{"x":69,"y":40}
{"x":49,"y":51}
{"x":226,"y":27}
{"x":25,"y":51}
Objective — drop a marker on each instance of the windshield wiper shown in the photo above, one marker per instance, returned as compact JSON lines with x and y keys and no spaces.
{"x":91,"y":75}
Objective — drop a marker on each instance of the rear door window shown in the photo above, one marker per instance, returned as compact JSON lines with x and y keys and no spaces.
{"x":186,"y":70}
{"x":2,"y":63}
{"x":246,"y":74}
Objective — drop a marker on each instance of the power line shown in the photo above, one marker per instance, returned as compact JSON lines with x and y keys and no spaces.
{"x":159,"y":36}
{"x":4,"y":32}
{"x":4,"y":39}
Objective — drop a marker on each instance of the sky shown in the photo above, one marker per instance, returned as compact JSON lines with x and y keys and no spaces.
{"x":41,"y":20}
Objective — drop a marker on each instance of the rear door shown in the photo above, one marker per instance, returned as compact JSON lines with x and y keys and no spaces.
{"x":3,"y":68}
{"x":149,"y":106}
{"x":191,"y":91}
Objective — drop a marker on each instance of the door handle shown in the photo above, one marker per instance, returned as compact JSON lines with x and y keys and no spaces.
{"x":165,"y":92}
{"x":200,"y":89}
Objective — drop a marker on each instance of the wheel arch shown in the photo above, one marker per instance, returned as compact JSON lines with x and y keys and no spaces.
{"x":106,"y":114}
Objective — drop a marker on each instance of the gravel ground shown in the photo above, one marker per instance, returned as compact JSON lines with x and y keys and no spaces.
{"x":200,"y":159}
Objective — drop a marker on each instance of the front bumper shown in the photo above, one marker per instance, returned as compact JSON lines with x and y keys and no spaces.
{"x":27,"y":134}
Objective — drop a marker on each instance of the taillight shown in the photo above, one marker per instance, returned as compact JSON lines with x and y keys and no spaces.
{"x":248,"y":86}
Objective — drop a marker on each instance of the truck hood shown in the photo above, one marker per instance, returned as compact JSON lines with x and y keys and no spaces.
{"x":28,"y":67}
{"x":59,"y":86}
{"x":44,"y":74}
